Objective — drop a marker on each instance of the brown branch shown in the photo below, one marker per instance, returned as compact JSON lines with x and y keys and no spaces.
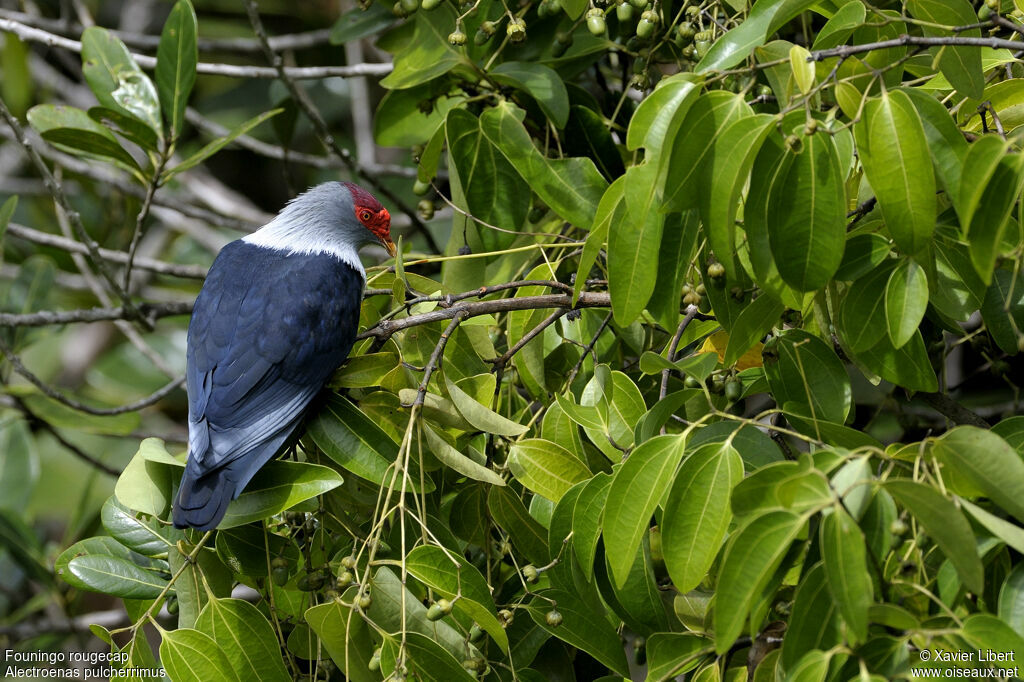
{"x":952,"y":410}
{"x":323,"y":132}
{"x":435,"y":358}
{"x":45,"y":318}
{"x":72,"y":246}
{"x":35,"y":35}
{"x":691,"y":312}
{"x":844,"y":51}
{"x":588,"y":349}
{"x":500,"y":362}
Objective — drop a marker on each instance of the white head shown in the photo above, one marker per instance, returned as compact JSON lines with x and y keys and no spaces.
{"x":334,"y":218}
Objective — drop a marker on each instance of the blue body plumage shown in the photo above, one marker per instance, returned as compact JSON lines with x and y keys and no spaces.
{"x":278,"y":313}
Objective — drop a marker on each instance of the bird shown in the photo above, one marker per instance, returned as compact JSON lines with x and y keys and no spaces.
{"x":277,"y":314}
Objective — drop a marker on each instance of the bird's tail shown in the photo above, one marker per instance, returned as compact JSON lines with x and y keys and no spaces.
{"x":202,"y":499}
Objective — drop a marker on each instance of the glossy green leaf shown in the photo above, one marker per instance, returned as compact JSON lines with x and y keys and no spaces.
{"x":809,"y":232}
{"x":193,"y":656}
{"x":862,"y":313}
{"x":751,"y":557}
{"x":571,"y":187}
{"x":864,"y":252}
{"x":944,"y":522}
{"x":908,"y":366}
{"x":988,"y":462}
{"x":993,"y":637}
{"x":126,"y":126}
{"x":540,"y":82}
{"x":346,"y":637}
{"x":1006,"y":98}
{"x":596,"y":636}
{"x":141,"y":536}
{"x":1011,"y":599}
{"x":479,"y":416}
{"x":906,"y":299}
{"x":113,"y":575}
{"x":115,"y":78}
{"x":276,"y":487}
{"x":765,"y":18}
{"x":756,"y":320}
{"x":846,"y":571}
{"x":609,"y":210}
{"x":960,"y":64}
{"x":528,"y":536}
{"x":633,"y":244}
{"x":586,"y":520}
{"x":587,"y":135}
{"x":893,"y":149}
{"x":724,"y":176}
{"x":360,"y":22}
{"x":246,"y":637}
{"x":979,"y":163}
{"x":545,"y":467}
{"x":365,"y":371}
{"x":838,"y":29}
{"x":434,"y":663}
{"x":672,"y":653}
{"x":176,"y":59}
{"x":697,"y":512}
{"x":814,"y":623}
{"x":145,"y":486}
{"x":802,"y":67}
{"x":215,"y":146}
{"x":989,"y":222}
{"x":457,"y":461}
{"x":1006,"y":531}
{"x":946,"y":143}
{"x":661,"y":113}
{"x":1003,"y":309}
{"x":708,"y":116}
{"x":636,"y":490}
{"x":427,"y":55}
{"x":804,"y":371}
{"x":72,"y":130}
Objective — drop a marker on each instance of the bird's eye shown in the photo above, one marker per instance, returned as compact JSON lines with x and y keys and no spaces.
{"x":365,"y":215}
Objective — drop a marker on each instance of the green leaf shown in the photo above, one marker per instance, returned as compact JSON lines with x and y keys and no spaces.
{"x":216,"y":145}
{"x":483,"y":174}
{"x":346,"y":637}
{"x":992,"y":636}
{"x":765,"y":18}
{"x":571,"y":187}
{"x":864,"y":253}
{"x":528,"y":536}
{"x":365,"y":371}
{"x":809,"y":232}
{"x":724,"y":176}
{"x":751,"y":558}
{"x":1003,"y":309}
{"x":540,"y":82}
{"x":116,"y":80}
{"x":908,"y":366}
{"x":246,"y":637}
{"x":115,"y":576}
{"x":946,"y":143}
{"x":708,"y":116}
{"x":1006,"y":98}
{"x":906,"y":299}
{"x":636,"y":490}
{"x":944,"y":522}
{"x":479,"y":416}
{"x":355,"y":442}
{"x":804,"y":371}
{"x":176,"y":58}
{"x":71,"y":130}
{"x":814,"y":623}
{"x":979,"y":163}
{"x":803,"y":68}
{"x":400,"y":122}
{"x":989,"y":222}
{"x":428,"y":55}
{"x":633,"y":245}
{"x":433,"y":662}
{"x":278,"y":486}
{"x":609,"y":210}
{"x":449,"y":575}
{"x":457,"y":461}
{"x":126,"y":126}
{"x":1011,"y":599}
{"x":617,"y":416}
{"x":245,"y":549}
{"x":586,"y":521}
{"x":360,"y":22}
{"x":100,"y":545}
{"x":840,"y":27}
{"x":988,"y":462}
{"x":670,"y":654}
{"x":1000,"y":528}
{"x":579,"y":628}
{"x":697,"y":512}
{"x":846,"y":570}
{"x":587,"y":135}
{"x":812,"y":667}
{"x":960,"y":64}
{"x":145,"y":486}
{"x":190,"y":655}
{"x":756,"y":320}
{"x":545,"y":467}
{"x":19,"y":467}
{"x":893,"y":149}
{"x":661,"y":112}
{"x":138,"y":535}
{"x":862,"y":313}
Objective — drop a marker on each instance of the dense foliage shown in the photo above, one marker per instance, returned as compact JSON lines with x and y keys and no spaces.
{"x":717,"y":374}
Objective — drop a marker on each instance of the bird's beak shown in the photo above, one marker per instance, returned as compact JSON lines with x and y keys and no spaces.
{"x":390,"y":246}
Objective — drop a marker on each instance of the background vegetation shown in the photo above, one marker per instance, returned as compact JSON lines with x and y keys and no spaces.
{"x":701,"y":355}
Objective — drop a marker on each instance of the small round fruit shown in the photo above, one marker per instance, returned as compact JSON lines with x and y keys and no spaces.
{"x":898,"y":528}
{"x":505,"y":616}
{"x":686,"y":31}
{"x":716,"y":270}
{"x":692,"y":11}
{"x":374,"y":664}
{"x":624,"y":12}
{"x":172,"y":604}
{"x":345,"y":579}
{"x":596,"y":23}
{"x":562,"y":42}
{"x":700,"y":289}
{"x":476,"y":633}
{"x":794,"y":143}
{"x":349,"y":562}
{"x":689,"y":52}
{"x":701,"y":47}
{"x":651,"y":16}
{"x":398,"y":10}
{"x":638,"y":4}
{"x":410,"y":6}
{"x":489,"y":27}
{"x":434,"y":613}
{"x":645,"y":29}
{"x":516,"y":30}
{"x":733,"y":390}
{"x":553,"y":618}
{"x":479,"y":38}
{"x":457,"y":37}
{"x":691,"y":298}
{"x":530,"y":573}
{"x":279,"y":574}
{"x":365,"y":600}
{"x":419,"y":189}
{"x":691,"y":381}
{"x":430,"y":4}
{"x":811,"y":127}
{"x":425,"y":208}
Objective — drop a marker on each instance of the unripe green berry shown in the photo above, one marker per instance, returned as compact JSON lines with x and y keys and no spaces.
{"x":624,"y":12}
{"x":691,"y":298}
{"x":692,"y":11}
{"x":898,"y":528}
{"x":410,"y":6}
{"x":686,"y":31}
{"x":345,"y":579}
{"x":701,"y":47}
{"x":733,"y":390}
{"x":398,"y":10}
{"x":553,"y":618}
{"x":489,"y":27}
{"x":349,"y":562}
{"x":716,"y":270}
{"x":374,"y":664}
{"x":596,"y":23}
{"x":457,"y":37}
{"x":638,"y":4}
{"x":425,"y":208}
{"x":419,"y":189}
{"x":516,"y":30}
{"x":811,"y":127}
{"x":365,"y":600}
{"x":172,"y":604}
{"x":476,"y":633}
{"x":434,"y":613}
{"x":430,"y":4}
{"x":531,"y":573}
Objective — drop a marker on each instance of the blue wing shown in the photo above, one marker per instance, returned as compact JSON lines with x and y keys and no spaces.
{"x":267,"y":330}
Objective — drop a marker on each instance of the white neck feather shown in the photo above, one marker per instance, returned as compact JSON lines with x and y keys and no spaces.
{"x":309,"y":224}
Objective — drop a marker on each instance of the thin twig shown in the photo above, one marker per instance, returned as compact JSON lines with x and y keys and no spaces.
{"x":435,"y":360}
{"x":691,"y":312}
{"x":921,"y":41}
{"x":588,"y":349}
{"x":45,"y":318}
{"x":35,"y":420}
{"x":36,"y":35}
{"x":500,"y":362}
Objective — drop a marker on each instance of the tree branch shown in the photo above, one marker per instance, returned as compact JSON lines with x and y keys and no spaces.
{"x":35,"y":420}
{"x":36,"y":35}
{"x":952,"y":410}
{"x":844,"y":51}
{"x":44,"y":318}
